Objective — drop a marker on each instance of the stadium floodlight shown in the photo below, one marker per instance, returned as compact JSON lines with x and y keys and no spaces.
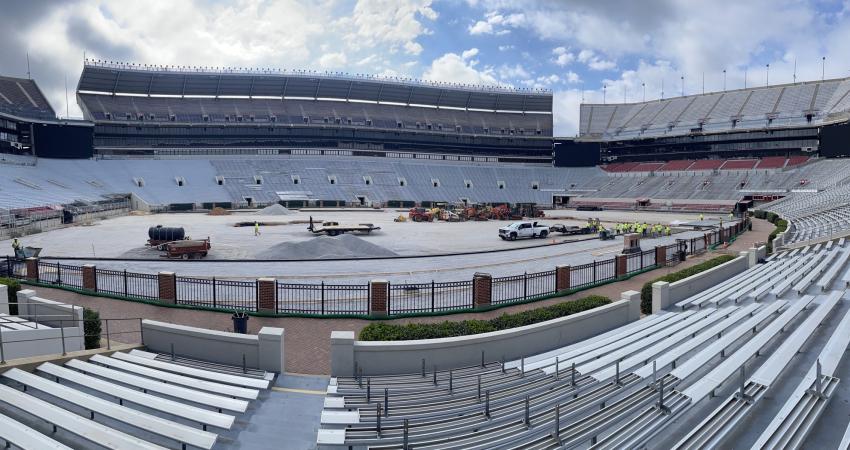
{"x":767,"y":75}
{"x":724,"y":80}
{"x":822,"y":67}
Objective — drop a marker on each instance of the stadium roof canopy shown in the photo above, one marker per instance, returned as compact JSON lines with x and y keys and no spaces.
{"x":21,"y":97}
{"x":113,"y":78}
{"x":802,"y":104}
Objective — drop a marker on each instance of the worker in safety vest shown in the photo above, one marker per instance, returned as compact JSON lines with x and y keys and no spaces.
{"x":256,"y":228}
{"x":731,"y":216}
{"x":16,"y":245}
{"x":667,"y":230}
{"x":701,"y":217}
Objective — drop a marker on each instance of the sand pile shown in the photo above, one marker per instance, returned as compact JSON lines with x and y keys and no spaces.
{"x":273,"y":210}
{"x":324,"y":247}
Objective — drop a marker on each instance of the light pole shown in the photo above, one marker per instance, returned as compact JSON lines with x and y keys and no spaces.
{"x":795,"y":70}
{"x":683,"y":85}
{"x":604,"y":89}
{"x":662,"y":89}
{"x":643,"y":85}
{"x":745,"y":77}
{"x":703,"y":82}
{"x":767,"y":75}
{"x":822,"y":67}
{"x":724,"y":80}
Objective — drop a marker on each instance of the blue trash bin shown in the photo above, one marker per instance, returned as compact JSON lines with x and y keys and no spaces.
{"x":240,"y":322}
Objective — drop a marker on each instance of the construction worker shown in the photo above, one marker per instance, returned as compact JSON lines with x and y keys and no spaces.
{"x":667,"y":230}
{"x":731,"y":216}
{"x":256,"y":228}
{"x":16,"y":245}
{"x":701,"y":217}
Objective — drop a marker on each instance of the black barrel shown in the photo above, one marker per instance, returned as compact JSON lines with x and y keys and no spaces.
{"x":161,"y":233}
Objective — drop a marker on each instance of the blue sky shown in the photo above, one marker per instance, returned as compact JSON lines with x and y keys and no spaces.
{"x":581,"y":49}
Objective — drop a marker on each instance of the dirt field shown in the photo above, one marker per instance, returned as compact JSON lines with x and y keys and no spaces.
{"x":125,"y":237}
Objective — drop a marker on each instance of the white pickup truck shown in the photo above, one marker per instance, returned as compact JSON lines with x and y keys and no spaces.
{"x":523,"y":230}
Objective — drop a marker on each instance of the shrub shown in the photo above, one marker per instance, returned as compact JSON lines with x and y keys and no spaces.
{"x":14,"y":287}
{"x":760,"y":214}
{"x":646,"y":290}
{"x":91,"y":328}
{"x":382,"y":331}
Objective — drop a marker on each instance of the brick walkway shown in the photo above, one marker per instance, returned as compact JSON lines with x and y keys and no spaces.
{"x":308,"y":340}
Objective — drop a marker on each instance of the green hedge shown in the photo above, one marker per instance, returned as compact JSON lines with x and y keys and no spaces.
{"x":91,"y":328}
{"x":646,"y":290}
{"x":382,"y":331}
{"x":14,"y":287}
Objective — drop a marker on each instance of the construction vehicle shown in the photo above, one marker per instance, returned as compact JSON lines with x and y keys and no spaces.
{"x":569,"y":230}
{"x":523,"y":230}
{"x":420,"y":215}
{"x":186,"y":248}
{"x":450,"y":216}
{"x":332,"y":228}
{"x":27,"y":252}
{"x":501,"y":212}
{"x":400,"y":218}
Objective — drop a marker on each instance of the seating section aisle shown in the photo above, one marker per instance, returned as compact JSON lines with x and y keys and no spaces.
{"x":649,"y":384}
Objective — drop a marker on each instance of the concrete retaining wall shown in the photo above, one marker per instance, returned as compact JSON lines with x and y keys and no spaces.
{"x":48,"y":312}
{"x":397,"y":357}
{"x":42,"y":341}
{"x":264,"y":350}
{"x":665,"y":294}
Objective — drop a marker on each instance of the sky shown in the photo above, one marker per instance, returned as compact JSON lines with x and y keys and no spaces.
{"x":583,"y":50}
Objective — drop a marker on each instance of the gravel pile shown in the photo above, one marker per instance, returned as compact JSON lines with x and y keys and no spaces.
{"x":324,"y":247}
{"x":274,"y":210}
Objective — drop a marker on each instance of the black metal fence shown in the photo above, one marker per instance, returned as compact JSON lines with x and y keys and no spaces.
{"x":324,"y":299}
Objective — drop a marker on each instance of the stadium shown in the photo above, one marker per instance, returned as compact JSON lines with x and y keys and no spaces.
{"x":684,"y":286}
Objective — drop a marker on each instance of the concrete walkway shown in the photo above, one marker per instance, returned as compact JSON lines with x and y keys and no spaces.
{"x":308,"y":340}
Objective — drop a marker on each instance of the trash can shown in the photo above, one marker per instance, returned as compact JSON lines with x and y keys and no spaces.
{"x":240,"y":322}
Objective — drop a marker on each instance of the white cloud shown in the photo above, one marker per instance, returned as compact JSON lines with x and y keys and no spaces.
{"x":594,"y":62}
{"x":454,"y":68}
{"x":504,"y":48}
{"x":480,"y":27}
{"x":397,"y":23}
{"x":471,"y":53}
{"x":563,"y":56}
{"x":572,"y":77}
{"x":496,"y":23}
{"x":332,"y":60}
{"x":512,"y":72}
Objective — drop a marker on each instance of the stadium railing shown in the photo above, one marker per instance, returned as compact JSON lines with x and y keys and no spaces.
{"x":354,"y":300}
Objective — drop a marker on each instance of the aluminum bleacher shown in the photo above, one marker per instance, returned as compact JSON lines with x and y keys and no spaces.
{"x":127,"y":400}
{"x":650,"y":384}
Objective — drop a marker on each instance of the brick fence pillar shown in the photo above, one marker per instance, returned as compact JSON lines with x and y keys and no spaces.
{"x":32,"y":269}
{"x":562,"y":278}
{"x":379,"y":296}
{"x":266,"y":295}
{"x":660,"y":255}
{"x":90,"y":277}
{"x":622,"y":265}
{"x":167,"y":287}
{"x":482,"y":290}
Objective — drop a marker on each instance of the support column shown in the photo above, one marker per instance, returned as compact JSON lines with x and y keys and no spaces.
{"x":660,"y":296}
{"x":342,"y":354}
{"x":633,"y":297}
{"x":562,"y":278}
{"x":267,"y":295}
{"x":482,"y":289}
{"x":32,"y":269}
{"x":621,"y":265}
{"x":379,"y":295}
{"x":660,"y":256}
{"x":90,"y":277}
{"x":272,"y":356}
{"x":167,"y":287}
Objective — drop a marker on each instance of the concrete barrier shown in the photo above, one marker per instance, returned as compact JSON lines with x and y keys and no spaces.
{"x":665,"y":294}
{"x":59,"y":320}
{"x":48,"y":312}
{"x":398,"y":357}
{"x":264,"y":350}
